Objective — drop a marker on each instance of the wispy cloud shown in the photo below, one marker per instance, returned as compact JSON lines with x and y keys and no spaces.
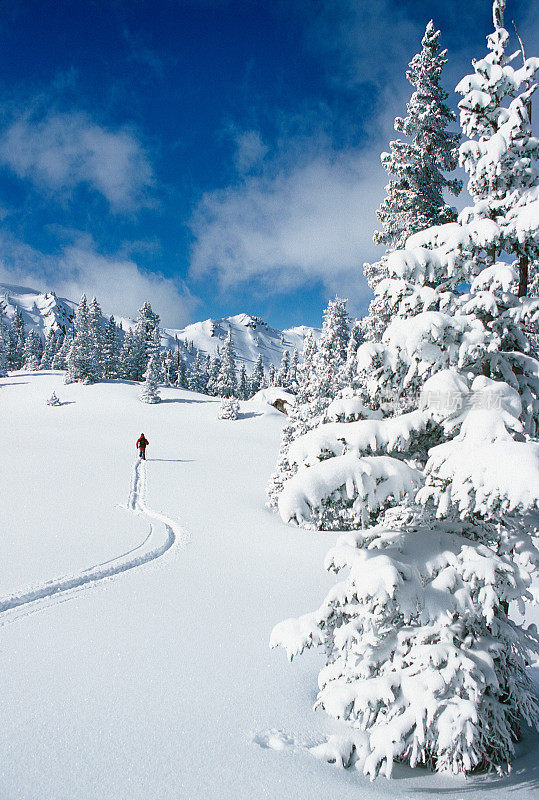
{"x":361,"y":41}
{"x":118,"y":282}
{"x":307,"y":213}
{"x":291,"y":225}
{"x":250,"y":150}
{"x":59,"y":152}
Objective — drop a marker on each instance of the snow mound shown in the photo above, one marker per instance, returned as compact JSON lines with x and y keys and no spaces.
{"x":272,"y":395}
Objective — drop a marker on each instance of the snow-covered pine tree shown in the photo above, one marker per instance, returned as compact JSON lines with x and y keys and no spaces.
{"x":326,"y":370}
{"x":206,"y":374}
{"x":283,"y":375}
{"x":149,"y":392}
{"x":244,"y":389}
{"x":33,"y":350}
{"x":81,"y":365}
{"x":415,"y":199}
{"x":272,"y":375}
{"x":4,"y":344}
{"x":423,"y":658}
{"x":294,"y":368}
{"x":51,"y":346}
{"x":59,"y":360}
{"x":495,"y":114}
{"x":97,"y":335}
{"x":111,"y":350}
{"x":228,"y":408}
{"x":182,"y":379}
{"x":320,"y":379}
{"x":148,"y":333}
{"x":214,"y":371}
{"x":16,"y":341}
{"x":357,"y":337}
{"x":258,"y":378}
{"x":227,"y":380}
{"x":196,"y":382}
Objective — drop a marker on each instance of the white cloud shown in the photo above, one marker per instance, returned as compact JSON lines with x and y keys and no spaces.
{"x":61,"y":151}
{"x":119,"y":284}
{"x":250,"y":151}
{"x":293,"y":225}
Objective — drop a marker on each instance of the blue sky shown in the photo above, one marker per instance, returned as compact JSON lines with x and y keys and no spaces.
{"x":212,"y":156}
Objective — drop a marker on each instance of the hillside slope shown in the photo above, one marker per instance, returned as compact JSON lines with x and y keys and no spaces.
{"x":157,"y":682}
{"x":251,"y":336}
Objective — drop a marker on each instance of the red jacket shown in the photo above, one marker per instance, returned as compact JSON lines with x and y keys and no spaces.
{"x":142,"y":441}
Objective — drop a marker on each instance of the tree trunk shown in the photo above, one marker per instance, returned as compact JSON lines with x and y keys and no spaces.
{"x":523,"y":275}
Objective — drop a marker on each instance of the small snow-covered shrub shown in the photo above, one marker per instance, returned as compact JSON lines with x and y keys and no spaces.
{"x":229,"y":408}
{"x":149,"y":392}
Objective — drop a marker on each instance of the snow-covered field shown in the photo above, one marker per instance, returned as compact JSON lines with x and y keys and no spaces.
{"x":148,"y":675}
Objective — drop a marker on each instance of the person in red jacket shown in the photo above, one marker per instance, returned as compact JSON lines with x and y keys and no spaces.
{"x":142,"y":443}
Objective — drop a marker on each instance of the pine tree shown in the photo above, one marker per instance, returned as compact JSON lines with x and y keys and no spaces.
{"x":357,"y":338}
{"x":182,"y":379}
{"x":227,"y":380}
{"x":214,"y":371}
{"x":331,"y":351}
{"x":228,"y":408}
{"x":51,"y":346}
{"x":133,"y":356}
{"x":206,"y":374}
{"x":59,"y":360}
{"x":4,"y":345}
{"x":321,"y":376}
{"x":415,"y":198}
{"x":495,"y":114}
{"x":148,"y":340}
{"x":258,"y":378}
{"x":244,"y":390}
{"x":272,"y":375}
{"x":97,"y":336}
{"x":197,"y":380}
{"x":111,"y":350}
{"x":33,"y":350}
{"x":283,"y":376}
{"x":149,"y":392}
{"x":17,"y":338}
{"x":439,"y":493}
{"x":293,"y":373}
{"x":81,"y":363}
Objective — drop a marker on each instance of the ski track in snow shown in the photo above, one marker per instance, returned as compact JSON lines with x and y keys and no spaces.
{"x":150,"y":550}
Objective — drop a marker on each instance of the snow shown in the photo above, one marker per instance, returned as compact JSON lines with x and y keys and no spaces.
{"x":498,"y":276}
{"x":505,"y":476}
{"x":370,"y":435}
{"x":250,"y":336}
{"x":157,"y":681}
{"x":270,"y":395}
{"x":346,"y":409}
{"x":369,"y":481}
{"x":43,"y":311}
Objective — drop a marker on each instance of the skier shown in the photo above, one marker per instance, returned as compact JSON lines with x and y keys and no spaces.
{"x":142,"y":443}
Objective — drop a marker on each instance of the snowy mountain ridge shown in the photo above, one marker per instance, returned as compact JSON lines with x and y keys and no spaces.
{"x":44,"y":311}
